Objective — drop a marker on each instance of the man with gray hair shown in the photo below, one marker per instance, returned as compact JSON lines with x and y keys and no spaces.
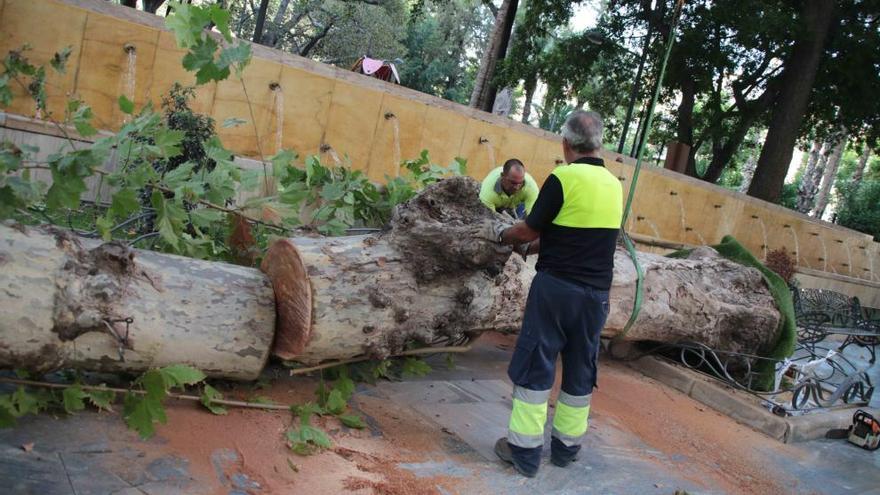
{"x":577,"y":216}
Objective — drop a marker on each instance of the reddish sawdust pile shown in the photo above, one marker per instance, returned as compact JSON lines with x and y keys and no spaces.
{"x":359,"y":461}
{"x":717,"y":452}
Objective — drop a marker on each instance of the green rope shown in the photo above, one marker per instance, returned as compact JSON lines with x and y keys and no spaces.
{"x":630,"y":247}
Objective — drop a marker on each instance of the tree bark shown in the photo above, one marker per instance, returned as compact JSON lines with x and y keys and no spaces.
{"x":721,"y":155}
{"x":261,"y":21}
{"x":829,"y":176}
{"x":500,"y":52}
{"x":152,"y":6}
{"x":685,"y":123}
{"x":529,"y":86}
{"x":497,"y":46}
{"x":788,"y":113}
{"x":64,"y":302}
{"x":429,"y":280}
{"x":812,"y":177}
{"x":271,"y":37}
{"x":860,"y":168}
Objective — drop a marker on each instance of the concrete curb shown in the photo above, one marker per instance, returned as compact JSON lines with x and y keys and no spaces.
{"x":742,"y":407}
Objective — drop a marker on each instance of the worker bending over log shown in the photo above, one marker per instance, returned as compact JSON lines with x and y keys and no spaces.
{"x":577,"y":216}
{"x":510,"y":189}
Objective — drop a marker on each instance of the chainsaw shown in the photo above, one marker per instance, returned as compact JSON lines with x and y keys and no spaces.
{"x":864,"y":432}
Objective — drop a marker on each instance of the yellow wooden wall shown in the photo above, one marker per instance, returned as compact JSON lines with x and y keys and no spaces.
{"x":371,"y":124}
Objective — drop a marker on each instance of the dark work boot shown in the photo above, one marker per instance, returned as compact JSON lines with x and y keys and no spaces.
{"x":504,"y":452}
{"x":562,"y":455}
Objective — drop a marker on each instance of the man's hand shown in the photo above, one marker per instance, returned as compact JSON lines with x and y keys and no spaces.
{"x":523,"y":250}
{"x":491,"y":231}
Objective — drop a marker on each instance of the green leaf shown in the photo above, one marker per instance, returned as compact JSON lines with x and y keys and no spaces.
{"x":10,"y":157}
{"x":220,"y":18}
{"x":81,"y":116}
{"x":154,"y":384}
{"x":176,"y":176}
{"x":141,"y":412}
{"x":211,"y":72}
{"x":124,"y":203}
{"x":178,"y":375}
{"x":59,"y":60}
{"x":381,"y":369}
{"x":169,"y":219}
{"x":306,"y":439}
{"x":306,"y":411}
{"x":102,"y":399}
{"x":5,"y":91}
{"x":168,"y":141}
{"x":450,"y":361}
{"x":73,"y":399}
{"x":336,"y":403}
{"x":314,"y":435}
{"x":206,"y":217}
{"x":352,"y":421}
{"x":415,"y":367}
{"x":209,"y":394}
{"x":25,"y":402}
{"x":200,"y":55}
{"x":333,"y":191}
{"x":7,"y":419}
{"x":238,"y":56}
{"x":345,"y":386}
{"x":126,"y":105}
{"x":187,"y":22}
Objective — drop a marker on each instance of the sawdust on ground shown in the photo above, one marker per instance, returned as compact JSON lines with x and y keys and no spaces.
{"x":714,"y":451}
{"x":360,"y":461}
{"x":697,"y":443}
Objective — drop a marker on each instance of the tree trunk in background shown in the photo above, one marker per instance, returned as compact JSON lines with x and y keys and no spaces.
{"x":65,"y":299}
{"x":748,"y":172}
{"x":271,"y":37}
{"x":152,"y":6}
{"x":829,"y":177}
{"x":500,"y":53}
{"x":685,"y":123}
{"x":490,"y":59}
{"x":430,"y":280}
{"x":722,"y":155}
{"x":788,"y":113}
{"x":860,"y":168}
{"x":529,"y":86}
{"x":261,"y":21}
{"x":811,"y":177}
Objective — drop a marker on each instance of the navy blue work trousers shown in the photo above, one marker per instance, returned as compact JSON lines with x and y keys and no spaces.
{"x":562,"y":317}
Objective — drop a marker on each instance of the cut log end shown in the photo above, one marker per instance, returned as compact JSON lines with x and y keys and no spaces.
{"x":284,"y":266}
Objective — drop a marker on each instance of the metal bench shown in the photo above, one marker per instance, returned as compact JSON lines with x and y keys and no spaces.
{"x":822,"y":312}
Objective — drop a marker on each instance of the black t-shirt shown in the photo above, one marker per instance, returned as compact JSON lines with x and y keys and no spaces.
{"x":584,"y":255}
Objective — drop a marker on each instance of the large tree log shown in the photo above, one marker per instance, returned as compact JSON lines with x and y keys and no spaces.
{"x":65,"y":305}
{"x":430,"y":280}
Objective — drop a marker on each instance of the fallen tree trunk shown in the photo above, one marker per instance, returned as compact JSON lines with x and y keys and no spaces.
{"x":429,"y":280}
{"x":106,"y":307}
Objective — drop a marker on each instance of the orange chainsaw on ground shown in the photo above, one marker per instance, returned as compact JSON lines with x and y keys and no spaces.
{"x":864,"y":432}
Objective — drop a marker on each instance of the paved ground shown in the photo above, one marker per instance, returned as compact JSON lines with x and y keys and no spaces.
{"x":431,"y":435}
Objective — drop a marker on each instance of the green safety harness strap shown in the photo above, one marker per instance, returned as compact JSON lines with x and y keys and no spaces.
{"x":630,"y":247}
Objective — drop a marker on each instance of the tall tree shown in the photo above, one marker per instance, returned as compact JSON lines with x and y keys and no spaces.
{"x":791,"y":106}
{"x":860,"y":168}
{"x":829,"y":176}
{"x":483,"y":95}
{"x":811,"y":177}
